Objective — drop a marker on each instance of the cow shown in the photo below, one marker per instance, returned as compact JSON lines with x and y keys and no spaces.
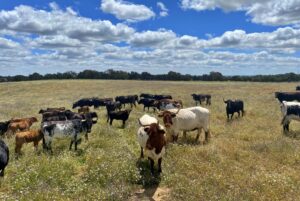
{"x":4,"y":127}
{"x":4,"y":157}
{"x":287,"y":96}
{"x":118,"y":115}
{"x":202,"y":97}
{"x":62,"y":129}
{"x":113,"y":106}
{"x":131,"y":99}
{"x":285,"y":104}
{"x":84,"y":109}
{"x":292,"y":113}
{"x":186,"y":119}
{"x":298,"y":88}
{"x":234,"y":106}
{"x":100,"y":102}
{"x":147,"y":96}
{"x":55,"y":115}
{"x":151,"y":138}
{"x":26,"y":137}
{"x":21,"y":124}
{"x":49,"y":109}
{"x":160,"y":97}
{"x":148,"y":103}
{"x":96,"y":102}
{"x":165,"y":104}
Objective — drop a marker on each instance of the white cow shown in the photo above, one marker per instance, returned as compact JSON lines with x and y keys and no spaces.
{"x":151,"y":138}
{"x":187,"y":119}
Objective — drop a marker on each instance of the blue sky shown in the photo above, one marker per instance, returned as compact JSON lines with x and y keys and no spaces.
{"x":188,"y":36}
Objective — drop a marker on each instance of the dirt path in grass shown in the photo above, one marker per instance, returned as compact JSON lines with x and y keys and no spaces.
{"x":152,"y":194}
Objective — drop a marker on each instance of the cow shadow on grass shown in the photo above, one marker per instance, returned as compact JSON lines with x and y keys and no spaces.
{"x":149,"y":182}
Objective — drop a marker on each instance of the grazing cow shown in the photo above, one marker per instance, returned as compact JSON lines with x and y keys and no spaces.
{"x":26,"y":137}
{"x":298,"y":88}
{"x":82,"y":102}
{"x":49,"y":109}
{"x":4,"y":157}
{"x":54,"y":115}
{"x":118,"y":115}
{"x":287,"y":96}
{"x":160,"y":97}
{"x":151,"y":138}
{"x":98,"y":102}
{"x":62,"y":129}
{"x":292,"y":113}
{"x":234,"y":106}
{"x":148,"y":96}
{"x":147,"y":103}
{"x":113,"y":106}
{"x":131,"y":99}
{"x":21,"y":124}
{"x":165,"y":104}
{"x":202,"y":97}
{"x":187,"y":119}
{"x":4,"y":127}
{"x":285,"y":104}
{"x":84,"y":109}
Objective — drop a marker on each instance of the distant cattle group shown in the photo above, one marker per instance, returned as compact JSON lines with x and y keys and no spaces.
{"x":152,"y":136}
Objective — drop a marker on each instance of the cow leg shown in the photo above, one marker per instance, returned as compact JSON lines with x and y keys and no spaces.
{"x":111,"y":120}
{"x":35,"y":144}
{"x":86,"y":136}
{"x":71,"y":143}
{"x":151,"y":165}
{"x":232,"y":115}
{"x":142,"y":152}
{"x":124,"y":123}
{"x":227,"y":115}
{"x":184,"y":134}
{"x":239,"y":113}
{"x":207,"y":135}
{"x":159,"y":165}
{"x":198,"y":134}
{"x":18,"y":148}
{"x":2,"y":173}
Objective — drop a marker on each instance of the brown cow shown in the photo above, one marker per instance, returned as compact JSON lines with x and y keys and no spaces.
{"x":21,"y":124}
{"x":84,"y":109}
{"x":26,"y":137}
{"x":152,"y":140}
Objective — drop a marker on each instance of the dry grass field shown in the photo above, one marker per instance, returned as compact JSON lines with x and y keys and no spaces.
{"x":246,"y":159}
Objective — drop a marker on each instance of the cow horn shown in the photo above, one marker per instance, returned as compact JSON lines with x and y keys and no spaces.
{"x":224,"y":100}
{"x":177,"y":111}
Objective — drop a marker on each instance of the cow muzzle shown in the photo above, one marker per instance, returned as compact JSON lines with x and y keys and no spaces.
{"x":168,"y":125}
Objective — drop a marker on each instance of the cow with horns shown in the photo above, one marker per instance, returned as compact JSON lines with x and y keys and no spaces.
{"x":187,"y":119}
{"x":151,"y":138}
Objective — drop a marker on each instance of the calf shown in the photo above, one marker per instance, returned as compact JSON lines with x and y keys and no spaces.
{"x":151,"y":138}
{"x":4,"y":127}
{"x":202,"y":97}
{"x":4,"y":157}
{"x":113,"y":106}
{"x":118,"y":115}
{"x":26,"y":137}
{"x":148,"y":103}
{"x":292,"y":113}
{"x":187,"y":119}
{"x":62,"y":129}
{"x":21,"y":124}
{"x":234,"y":106}
{"x":84,"y":109}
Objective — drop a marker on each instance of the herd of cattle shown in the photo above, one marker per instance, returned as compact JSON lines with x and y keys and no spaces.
{"x":152,"y":136}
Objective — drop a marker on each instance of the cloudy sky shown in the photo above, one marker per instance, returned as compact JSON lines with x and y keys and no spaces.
{"x":235,"y":37}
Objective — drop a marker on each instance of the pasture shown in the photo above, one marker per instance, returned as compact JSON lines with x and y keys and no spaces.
{"x":246,"y":159}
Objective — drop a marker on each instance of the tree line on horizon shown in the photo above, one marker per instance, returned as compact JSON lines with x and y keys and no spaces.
{"x":170,"y":76}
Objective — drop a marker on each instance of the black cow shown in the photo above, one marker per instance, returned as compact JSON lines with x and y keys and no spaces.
{"x":287,"y":96}
{"x":96,"y":102}
{"x":149,"y":96}
{"x":4,"y":157}
{"x":4,"y":127}
{"x":148,"y":103}
{"x":202,"y":97}
{"x":160,"y":97}
{"x":292,"y":113}
{"x":131,"y":99}
{"x":234,"y":106}
{"x":118,"y":115}
{"x":298,"y":88}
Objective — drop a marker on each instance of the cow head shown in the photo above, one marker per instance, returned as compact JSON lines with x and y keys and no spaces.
{"x":33,"y":119}
{"x":167,"y":118}
{"x":153,"y":130}
{"x":42,"y":111}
